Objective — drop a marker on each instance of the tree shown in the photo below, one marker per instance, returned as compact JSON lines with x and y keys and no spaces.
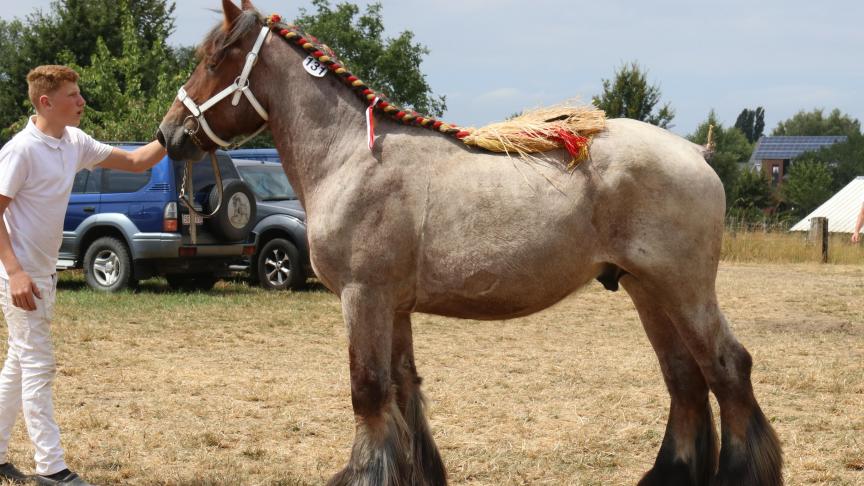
{"x":69,"y":33}
{"x":808,"y":186}
{"x":76,"y":26}
{"x":731,"y":149}
{"x":630,"y":96}
{"x":123,"y":106}
{"x":751,"y":123}
{"x":815,"y":123}
{"x":11,"y":99}
{"x":751,"y":194}
{"x":390,"y":65}
{"x":845,"y":160}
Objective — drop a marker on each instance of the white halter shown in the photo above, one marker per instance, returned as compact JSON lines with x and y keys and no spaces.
{"x":240,"y":86}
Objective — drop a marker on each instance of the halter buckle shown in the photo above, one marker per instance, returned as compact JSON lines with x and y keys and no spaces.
{"x":188,"y":131}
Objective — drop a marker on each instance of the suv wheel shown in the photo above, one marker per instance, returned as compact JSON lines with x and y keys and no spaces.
{"x":279,"y":267}
{"x":237,"y":214}
{"x":108,"y":266}
{"x":189,"y":283}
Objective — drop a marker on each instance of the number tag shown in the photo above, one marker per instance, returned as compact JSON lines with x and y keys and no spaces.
{"x":315,"y":67}
{"x":187,"y":219}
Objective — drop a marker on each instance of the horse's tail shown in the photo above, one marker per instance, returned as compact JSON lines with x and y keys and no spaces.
{"x":708,"y":149}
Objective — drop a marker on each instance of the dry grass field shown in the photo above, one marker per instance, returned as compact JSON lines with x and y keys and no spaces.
{"x":787,"y":247}
{"x":243,"y":387}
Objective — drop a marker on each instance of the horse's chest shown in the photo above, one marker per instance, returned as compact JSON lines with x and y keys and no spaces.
{"x":374,"y":246}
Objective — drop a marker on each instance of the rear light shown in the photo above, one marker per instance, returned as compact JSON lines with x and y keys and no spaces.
{"x":169,"y":221}
{"x":249,"y":250}
{"x":188,"y":251}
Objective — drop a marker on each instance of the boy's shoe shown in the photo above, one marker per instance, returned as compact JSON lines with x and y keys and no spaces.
{"x":63,"y":478}
{"x":9,"y":472}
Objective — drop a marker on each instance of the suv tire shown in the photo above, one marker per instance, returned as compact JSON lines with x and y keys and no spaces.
{"x":278,"y":266}
{"x":237,"y":214}
{"x":190,"y":283}
{"x":108,"y":266}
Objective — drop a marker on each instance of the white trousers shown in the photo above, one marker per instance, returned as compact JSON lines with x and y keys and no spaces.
{"x":28,"y":374}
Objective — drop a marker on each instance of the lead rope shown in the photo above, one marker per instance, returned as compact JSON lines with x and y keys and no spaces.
{"x":190,"y":204}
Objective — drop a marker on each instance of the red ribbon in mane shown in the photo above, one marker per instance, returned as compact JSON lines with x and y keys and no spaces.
{"x":575,"y":144}
{"x":370,"y":123}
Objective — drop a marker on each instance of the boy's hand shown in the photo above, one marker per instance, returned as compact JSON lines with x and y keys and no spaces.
{"x":23,"y":290}
{"x":855,"y":237}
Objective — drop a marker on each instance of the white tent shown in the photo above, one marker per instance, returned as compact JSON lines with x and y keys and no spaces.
{"x":841,"y":210}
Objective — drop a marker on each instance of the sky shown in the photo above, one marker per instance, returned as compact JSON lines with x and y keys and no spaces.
{"x":494,"y":58}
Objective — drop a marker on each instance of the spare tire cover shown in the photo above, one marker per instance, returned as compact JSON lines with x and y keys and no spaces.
{"x":237,"y":214}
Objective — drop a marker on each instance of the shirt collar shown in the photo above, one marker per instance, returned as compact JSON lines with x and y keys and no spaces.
{"x":48,"y":140}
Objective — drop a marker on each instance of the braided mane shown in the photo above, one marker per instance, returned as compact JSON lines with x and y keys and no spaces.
{"x":541,"y":130}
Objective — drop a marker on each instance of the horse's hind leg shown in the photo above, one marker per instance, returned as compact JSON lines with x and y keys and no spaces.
{"x":380,"y":455}
{"x":688,"y":455}
{"x":750,"y":452}
{"x":428,"y":469}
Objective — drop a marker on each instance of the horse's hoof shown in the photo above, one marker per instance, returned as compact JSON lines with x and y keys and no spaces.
{"x":677,"y":474}
{"x":342,"y":478}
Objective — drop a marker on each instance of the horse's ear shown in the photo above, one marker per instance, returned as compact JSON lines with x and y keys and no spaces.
{"x":231,"y":13}
{"x":247,"y":5}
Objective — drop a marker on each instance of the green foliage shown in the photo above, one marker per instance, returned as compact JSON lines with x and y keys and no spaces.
{"x":121,"y":105}
{"x":629,"y":95}
{"x":808,"y":186}
{"x":751,"y":194}
{"x":12,"y":91}
{"x":731,"y":149}
{"x":815,"y":123}
{"x":81,"y":32}
{"x":845,"y":160}
{"x":390,"y":65}
{"x":751,"y":123}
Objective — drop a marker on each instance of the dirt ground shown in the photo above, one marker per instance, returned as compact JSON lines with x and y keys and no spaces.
{"x":244,"y":387}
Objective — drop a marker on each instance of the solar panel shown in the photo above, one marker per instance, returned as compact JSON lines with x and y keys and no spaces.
{"x":788,"y":147}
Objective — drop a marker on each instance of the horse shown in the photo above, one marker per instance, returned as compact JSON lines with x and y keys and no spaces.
{"x":424,"y":223}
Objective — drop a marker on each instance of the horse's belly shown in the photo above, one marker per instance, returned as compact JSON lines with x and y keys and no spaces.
{"x":502,"y":249}
{"x":484,"y":296}
{"x":467,"y":283}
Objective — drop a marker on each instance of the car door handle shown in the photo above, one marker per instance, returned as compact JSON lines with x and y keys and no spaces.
{"x":90,"y":209}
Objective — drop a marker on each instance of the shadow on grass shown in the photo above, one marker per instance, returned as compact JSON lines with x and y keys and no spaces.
{"x":74,"y":281}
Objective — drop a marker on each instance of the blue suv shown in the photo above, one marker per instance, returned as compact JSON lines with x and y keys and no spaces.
{"x":122,"y":227}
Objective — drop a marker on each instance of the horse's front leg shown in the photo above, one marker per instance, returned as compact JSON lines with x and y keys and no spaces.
{"x":381,"y":451}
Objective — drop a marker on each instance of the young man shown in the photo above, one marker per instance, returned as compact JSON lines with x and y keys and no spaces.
{"x":37,"y":168}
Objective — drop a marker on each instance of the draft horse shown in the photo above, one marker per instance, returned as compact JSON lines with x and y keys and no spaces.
{"x":423,"y":223}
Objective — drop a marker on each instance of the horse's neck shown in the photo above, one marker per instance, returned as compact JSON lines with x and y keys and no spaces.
{"x":317,"y":123}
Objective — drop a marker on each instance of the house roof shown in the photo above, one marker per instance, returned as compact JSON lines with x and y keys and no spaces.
{"x":841,"y":210}
{"x":787,"y":147}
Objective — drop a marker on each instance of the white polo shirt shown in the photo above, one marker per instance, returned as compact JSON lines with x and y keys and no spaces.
{"x":36,"y":172}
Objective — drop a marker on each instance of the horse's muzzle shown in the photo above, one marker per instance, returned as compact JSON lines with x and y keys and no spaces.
{"x":178,"y":143}
{"x":160,"y":137}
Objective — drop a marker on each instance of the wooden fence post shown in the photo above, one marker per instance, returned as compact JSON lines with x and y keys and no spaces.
{"x":819,"y":236}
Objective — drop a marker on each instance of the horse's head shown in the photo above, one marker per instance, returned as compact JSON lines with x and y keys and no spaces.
{"x":216,"y":104}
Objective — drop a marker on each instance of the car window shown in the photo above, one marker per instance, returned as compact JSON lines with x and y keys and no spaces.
{"x":94,"y":181}
{"x":80,"y":182}
{"x":269,"y":182}
{"x":119,"y":181}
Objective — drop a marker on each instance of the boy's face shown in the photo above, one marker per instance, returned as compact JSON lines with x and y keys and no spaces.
{"x":64,"y":106}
